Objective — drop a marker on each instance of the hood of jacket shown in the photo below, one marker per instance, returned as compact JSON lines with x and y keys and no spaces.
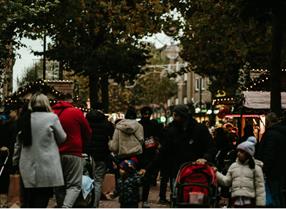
{"x":61,"y":105}
{"x":257,"y":162}
{"x":128,"y":126}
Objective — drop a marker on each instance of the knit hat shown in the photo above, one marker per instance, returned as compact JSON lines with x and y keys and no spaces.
{"x":131,"y":113}
{"x":129,"y":165}
{"x":181,"y":110}
{"x":248,"y":147}
{"x":251,"y":139}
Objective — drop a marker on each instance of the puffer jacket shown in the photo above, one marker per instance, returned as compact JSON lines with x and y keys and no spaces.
{"x":245,"y":181}
{"x":127,"y":139}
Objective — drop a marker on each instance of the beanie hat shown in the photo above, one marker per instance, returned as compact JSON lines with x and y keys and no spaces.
{"x":251,"y":139}
{"x":248,"y":147}
{"x":129,"y":165}
{"x":131,"y":113}
{"x":181,"y":110}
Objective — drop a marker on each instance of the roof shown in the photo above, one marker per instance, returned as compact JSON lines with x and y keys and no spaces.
{"x":261,"y":99}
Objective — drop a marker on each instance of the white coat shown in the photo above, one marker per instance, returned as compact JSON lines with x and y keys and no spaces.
{"x":245,"y":181}
{"x":40,"y":164}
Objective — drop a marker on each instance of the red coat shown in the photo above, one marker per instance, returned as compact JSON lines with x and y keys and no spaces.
{"x":75,"y":126}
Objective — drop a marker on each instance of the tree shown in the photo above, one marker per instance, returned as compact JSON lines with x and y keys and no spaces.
{"x":273,"y":13}
{"x":31,"y":74}
{"x":217,"y":42}
{"x":100,"y":39}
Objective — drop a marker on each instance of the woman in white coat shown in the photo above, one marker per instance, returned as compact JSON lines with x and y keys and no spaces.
{"x":36,"y":149}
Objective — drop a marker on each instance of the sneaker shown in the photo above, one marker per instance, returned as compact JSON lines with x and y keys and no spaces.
{"x":145,"y":205}
{"x":164,"y":202}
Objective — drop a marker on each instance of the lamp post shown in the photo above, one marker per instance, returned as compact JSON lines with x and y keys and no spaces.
{"x":172,"y":52}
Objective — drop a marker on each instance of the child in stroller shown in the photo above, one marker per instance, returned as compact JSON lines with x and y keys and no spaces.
{"x":195,"y":186}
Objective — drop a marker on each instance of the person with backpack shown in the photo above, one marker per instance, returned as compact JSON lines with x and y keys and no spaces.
{"x":127,"y":143}
{"x":128,"y":136}
{"x":245,"y":177}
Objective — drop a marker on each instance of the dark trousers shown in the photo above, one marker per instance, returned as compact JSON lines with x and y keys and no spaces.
{"x":36,"y":197}
{"x":164,"y":179}
{"x":276,"y":186}
{"x":147,"y":180}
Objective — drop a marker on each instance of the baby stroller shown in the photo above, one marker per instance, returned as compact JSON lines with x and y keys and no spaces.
{"x":195,"y":186}
{"x":86,"y":197}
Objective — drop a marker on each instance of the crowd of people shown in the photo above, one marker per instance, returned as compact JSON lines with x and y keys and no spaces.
{"x":45,"y":144}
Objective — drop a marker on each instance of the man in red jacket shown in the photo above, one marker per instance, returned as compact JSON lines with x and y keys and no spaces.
{"x":77,"y":129}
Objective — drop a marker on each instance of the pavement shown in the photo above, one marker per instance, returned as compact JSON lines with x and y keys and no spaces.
{"x":153,"y":200}
{"x":114,"y":203}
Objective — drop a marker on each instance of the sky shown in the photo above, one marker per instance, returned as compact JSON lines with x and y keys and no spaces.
{"x":25,"y":59}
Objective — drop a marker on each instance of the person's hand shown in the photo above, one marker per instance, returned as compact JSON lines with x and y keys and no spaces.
{"x":142,"y":172}
{"x":201,"y":161}
{"x":215,"y":168}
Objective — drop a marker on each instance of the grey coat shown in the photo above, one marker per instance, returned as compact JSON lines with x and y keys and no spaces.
{"x":245,"y":181}
{"x":40,"y":164}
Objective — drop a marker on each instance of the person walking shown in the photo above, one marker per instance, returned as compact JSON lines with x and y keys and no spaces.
{"x":78,"y":131}
{"x":150,"y":151}
{"x":127,"y":143}
{"x":187,"y":140}
{"x":271,"y":151}
{"x":8,"y":132}
{"x":102,"y":131}
{"x":36,"y":150}
{"x":245,"y":177}
{"x":128,"y":136}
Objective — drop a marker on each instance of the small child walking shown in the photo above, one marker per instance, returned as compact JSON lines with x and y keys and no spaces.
{"x":129,"y":183}
{"x":245,"y":177}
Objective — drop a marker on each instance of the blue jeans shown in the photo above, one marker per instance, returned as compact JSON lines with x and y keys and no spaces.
{"x":99,"y":173}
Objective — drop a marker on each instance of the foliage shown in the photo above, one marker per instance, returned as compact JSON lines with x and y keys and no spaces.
{"x":217,"y":42}
{"x":31,"y":74}
{"x":154,"y":89}
{"x":99,"y":38}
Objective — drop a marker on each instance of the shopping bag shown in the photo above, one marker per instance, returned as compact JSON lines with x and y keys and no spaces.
{"x":108,"y":185}
{"x":14,"y":192}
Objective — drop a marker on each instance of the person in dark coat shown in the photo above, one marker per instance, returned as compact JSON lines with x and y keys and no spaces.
{"x":102,"y":131}
{"x":272,"y":153}
{"x":187,"y":140}
{"x":8,"y":131}
{"x":150,"y":150}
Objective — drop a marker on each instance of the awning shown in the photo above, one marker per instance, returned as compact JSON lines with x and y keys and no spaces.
{"x":261,"y":99}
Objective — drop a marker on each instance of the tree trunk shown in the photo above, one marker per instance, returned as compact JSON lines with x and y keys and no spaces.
{"x":93,"y":90}
{"x":275,"y":72}
{"x":61,"y":70}
{"x":104,"y":93}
